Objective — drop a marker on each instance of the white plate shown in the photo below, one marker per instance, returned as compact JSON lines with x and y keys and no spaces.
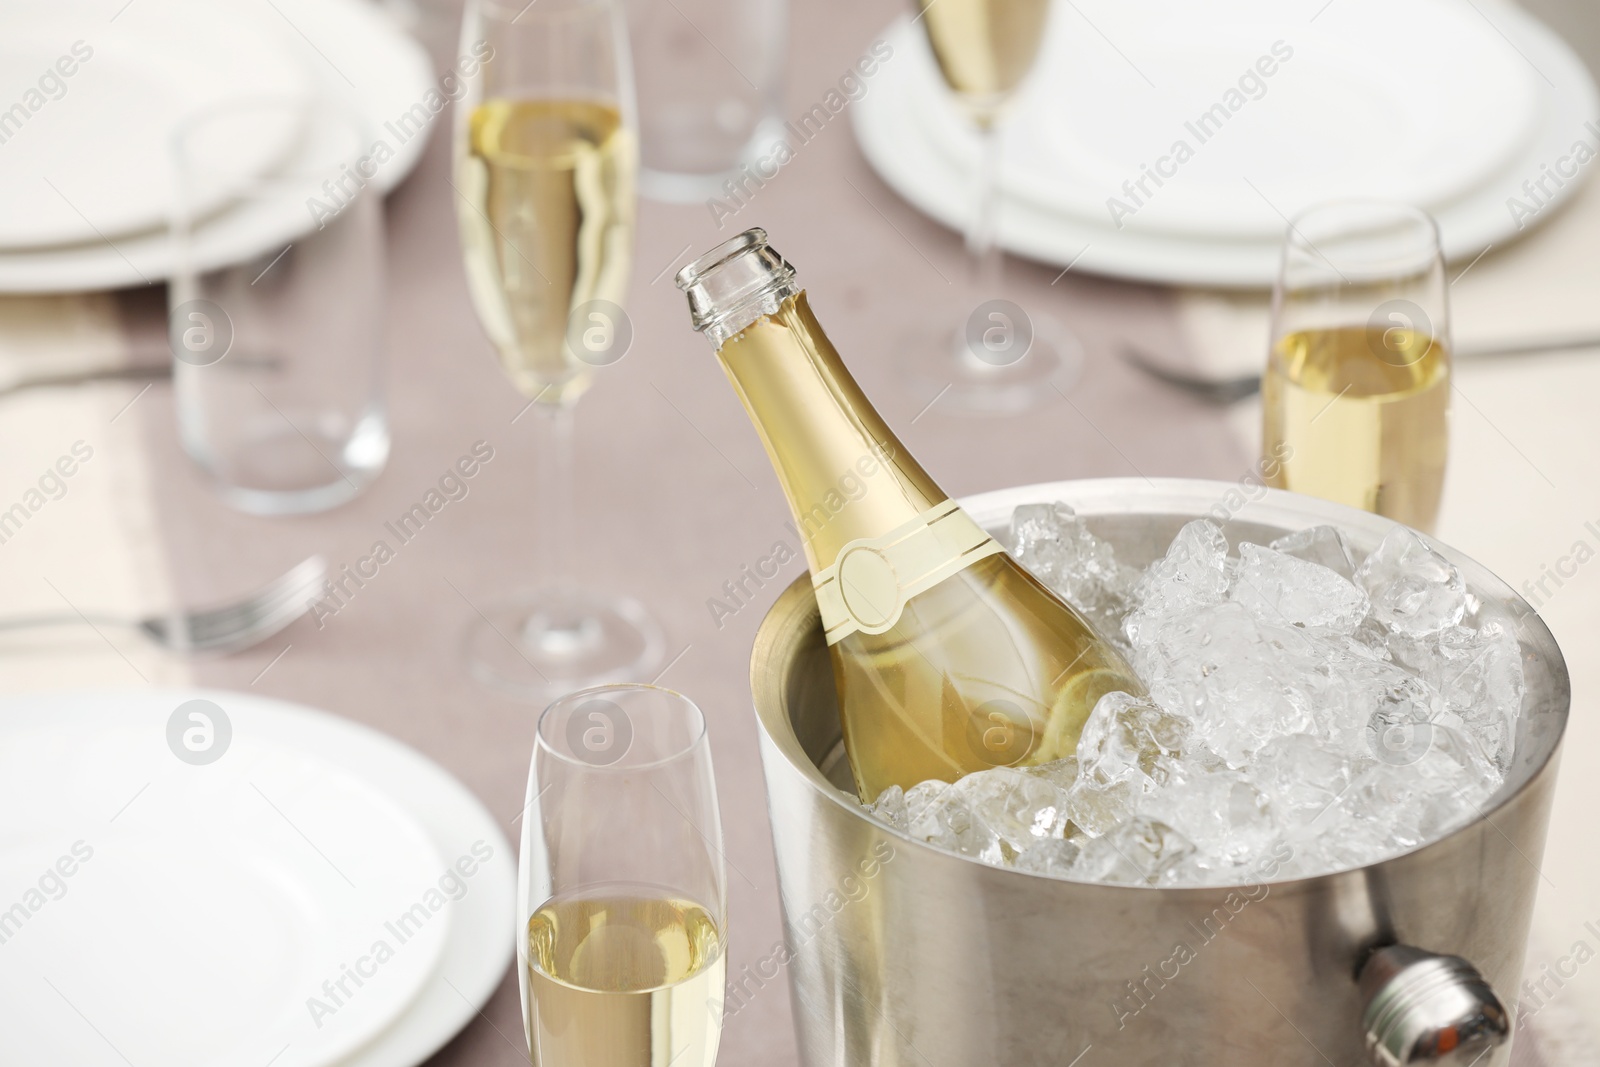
{"x":218,"y":899}
{"x":352,"y":51}
{"x":1229,"y":242}
{"x":482,"y":938}
{"x":1349,"y":112}
{"x":91,"y":161}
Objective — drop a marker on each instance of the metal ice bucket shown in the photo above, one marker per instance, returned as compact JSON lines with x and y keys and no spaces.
{"x":902,"y":954}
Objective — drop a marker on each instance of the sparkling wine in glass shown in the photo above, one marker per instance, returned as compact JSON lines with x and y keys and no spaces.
{"x":1356,"y":393}
{"x":623,"y":893}
{"x":1000,"y":359}
{"x":546,"y":169}
{"x":984,"y":48}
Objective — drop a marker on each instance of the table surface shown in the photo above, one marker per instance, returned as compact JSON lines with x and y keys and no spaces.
{"x":676,"y":494}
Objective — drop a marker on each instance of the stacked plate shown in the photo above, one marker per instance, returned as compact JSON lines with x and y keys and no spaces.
{"x":221,"y":880}
{"x":91,"y":92}
{"x":1170,"y":141}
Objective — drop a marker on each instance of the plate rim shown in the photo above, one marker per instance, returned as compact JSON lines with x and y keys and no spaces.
{"x":147,"y":257}
{"x":1470,"y":224}
{"x":288,"y":75}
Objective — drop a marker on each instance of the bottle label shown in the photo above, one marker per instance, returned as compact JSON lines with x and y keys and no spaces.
{"x":868,"y":585}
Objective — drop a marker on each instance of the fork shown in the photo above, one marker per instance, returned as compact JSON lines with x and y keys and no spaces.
{"x":225,"y":628}
{"x":1225,"y":391}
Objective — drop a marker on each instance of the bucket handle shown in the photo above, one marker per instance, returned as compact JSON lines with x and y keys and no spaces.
{"x":1423,"y":1007}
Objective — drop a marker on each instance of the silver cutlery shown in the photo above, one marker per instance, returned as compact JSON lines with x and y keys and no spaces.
{"x":1225,"y":391}
{"x":1219,"y":391}
{"x":226,"y":628}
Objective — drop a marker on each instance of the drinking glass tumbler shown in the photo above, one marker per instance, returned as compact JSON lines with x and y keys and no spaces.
{"x":275,"y":306}
{"x":710,"y":77}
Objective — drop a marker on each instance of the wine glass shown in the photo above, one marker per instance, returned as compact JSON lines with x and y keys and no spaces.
{"x":1356,"y":393}
{"x":1000,"y":359}
{"x":621,"y":884}
{"x":546,"y":169}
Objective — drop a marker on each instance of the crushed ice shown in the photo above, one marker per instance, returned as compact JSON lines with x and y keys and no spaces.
{"x":1296,"y":699}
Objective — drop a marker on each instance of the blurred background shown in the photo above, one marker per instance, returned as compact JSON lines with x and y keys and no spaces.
{"x":132,"y":482}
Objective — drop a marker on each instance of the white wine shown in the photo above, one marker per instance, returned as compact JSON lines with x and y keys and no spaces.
{"x":624,"y":976}
{"x":947,"y":655}
{"x":1362,"y":415}
{"x":984,"y":48}
{"x":546,"y":206}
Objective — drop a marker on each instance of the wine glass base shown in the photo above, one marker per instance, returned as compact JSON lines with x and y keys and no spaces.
{"x":945,"y":369}
{"x":544,"y":644}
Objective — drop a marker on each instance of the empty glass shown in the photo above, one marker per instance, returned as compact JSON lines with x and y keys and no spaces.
{"x":710,"y":78}
{"x":621,"y":886}
{"x":276,"y":304}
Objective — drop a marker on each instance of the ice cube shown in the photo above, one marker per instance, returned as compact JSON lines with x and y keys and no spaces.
{"x":1096,"y":807}
{"x":1193,"y":574}
{"x":1057,"y":546}
{"x":1300,"y":776}
{"x":1414,"y":590}
{"x":1062,"y":772}
{"x":1018,"y":809}
{"x":1479,"y":672}
{"x":1220,"y":812}
{"x":1056,"y":856}
{"x":1373,"y":636}
{"x":1036,"y":528}
{"x":1401,"y":726}
{"x":1283,"y":590}
{"x":1139,"y":852}
{"x":1352,"y":687}
{"x":1484,"y":685}
{"x":890,"y":807}
{"x":946,"y":820}
{"x":1125,"y":735}
{"x":1393,"y":809}
{"x":924,"y":817}
{"x":1454,"y":756}
{"x":1238,"y":682}
{"x":1325,"y":546}
{"x":920,"y":796}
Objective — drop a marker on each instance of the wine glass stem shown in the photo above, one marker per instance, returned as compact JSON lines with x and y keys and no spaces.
{"x":555,"y":474}
{"x":983,"y":247}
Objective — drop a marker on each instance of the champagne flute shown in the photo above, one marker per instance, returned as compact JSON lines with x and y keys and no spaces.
{"x":546,"y":168}
{"x":1000,"y":359}
{"x":1356,"y":393}
{"x":621,"y":884}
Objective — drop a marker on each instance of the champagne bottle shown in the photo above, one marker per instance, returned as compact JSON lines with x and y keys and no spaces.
{"x":947,"y":655}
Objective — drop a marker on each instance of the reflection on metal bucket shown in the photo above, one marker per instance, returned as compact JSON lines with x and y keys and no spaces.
{"x":946,"y":962}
